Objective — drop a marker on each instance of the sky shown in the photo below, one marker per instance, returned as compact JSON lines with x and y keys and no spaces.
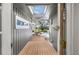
{"x":38,"y":9}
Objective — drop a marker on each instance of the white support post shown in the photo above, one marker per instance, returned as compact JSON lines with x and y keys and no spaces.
{"x":58,"y":41}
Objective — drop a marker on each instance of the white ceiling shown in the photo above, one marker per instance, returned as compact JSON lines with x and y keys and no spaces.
{"x":50,"y":12}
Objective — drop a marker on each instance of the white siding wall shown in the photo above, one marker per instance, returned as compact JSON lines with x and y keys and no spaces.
{"x":6,"y":28}
{"x":76,"y":28}
{"x":69,"y":45}
{"x":73,"y":29}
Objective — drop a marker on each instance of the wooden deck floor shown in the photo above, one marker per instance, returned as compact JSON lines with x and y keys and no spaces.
{"x":38,"y":46}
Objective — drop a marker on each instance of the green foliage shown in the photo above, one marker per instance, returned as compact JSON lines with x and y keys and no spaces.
{"x":42,"y":28}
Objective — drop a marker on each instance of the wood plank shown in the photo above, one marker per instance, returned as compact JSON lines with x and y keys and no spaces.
{"x":38,"y":46}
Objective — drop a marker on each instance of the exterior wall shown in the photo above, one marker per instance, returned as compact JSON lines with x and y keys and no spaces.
{"x":13,"y":40}
{"x":20,"y":36}
{"x":76,"y":28}
{"x":54,"y":33}
{"x":6,"y":28}
{"x":72,"y":29}
{"x":0,"y":27}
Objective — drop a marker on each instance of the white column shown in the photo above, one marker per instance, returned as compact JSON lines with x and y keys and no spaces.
{"x":6,"y":28}
{"x":58,"y":41}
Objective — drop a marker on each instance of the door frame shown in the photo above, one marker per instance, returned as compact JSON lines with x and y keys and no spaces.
{"x":69,"y":28}
{"x":61,"y":38}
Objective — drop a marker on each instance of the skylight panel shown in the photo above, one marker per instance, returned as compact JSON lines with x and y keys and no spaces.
{"x":38,"y":9}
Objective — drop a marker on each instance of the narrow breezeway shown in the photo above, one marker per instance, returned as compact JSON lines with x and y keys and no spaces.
{"x":38,"y":46}
{"x":24,"y":20}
